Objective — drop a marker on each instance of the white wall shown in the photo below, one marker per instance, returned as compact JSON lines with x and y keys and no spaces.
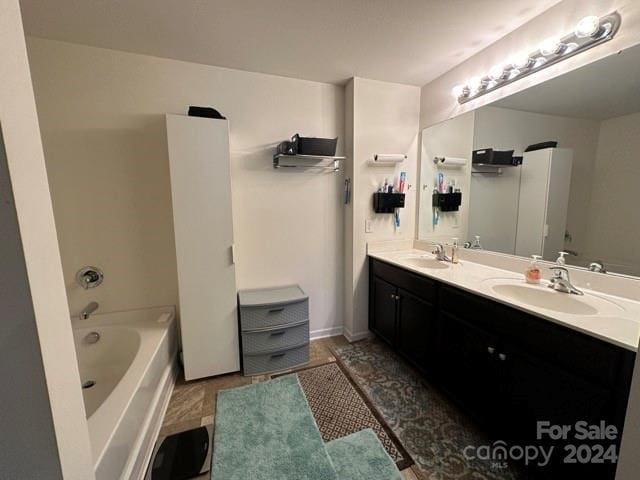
{"x":614,"y":222}
{"x":453,"y":138}
{"x":437,"y":103}
{"x":42,"y":422}
{"x":385,"y":120}
{"x":102,"y":116}
{"x":506,"y":129}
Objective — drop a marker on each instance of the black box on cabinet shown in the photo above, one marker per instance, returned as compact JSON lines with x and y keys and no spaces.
{"x":447,"y":202}
{"x":387,"y":202}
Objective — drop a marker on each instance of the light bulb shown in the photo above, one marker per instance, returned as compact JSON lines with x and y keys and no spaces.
{"x":587,"y":27}
{"x":539,"y":62}
{"x":497,"y":72}
{"x":551,"y":46}
{"x":571,"y":47}
{"x":459,"y":91}
{"x":521,"y":61}
{"x":474,"y":84}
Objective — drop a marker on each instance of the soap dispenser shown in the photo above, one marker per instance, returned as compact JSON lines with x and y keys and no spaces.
{"x":533,"y":274}
{"x":454,"y":251}
{"x":561,"y":260}
{"x":476,"y":243}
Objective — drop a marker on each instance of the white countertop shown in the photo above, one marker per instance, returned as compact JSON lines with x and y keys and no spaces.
{"x":617,"y":320}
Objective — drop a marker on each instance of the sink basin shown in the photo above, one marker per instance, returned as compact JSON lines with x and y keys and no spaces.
{"x":547,"y":299}
{"x":422,"y":262}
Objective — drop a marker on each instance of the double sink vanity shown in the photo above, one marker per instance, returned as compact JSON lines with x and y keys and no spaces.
{"x":510,"y":354}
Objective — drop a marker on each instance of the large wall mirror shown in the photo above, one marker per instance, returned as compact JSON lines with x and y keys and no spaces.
{"x":553,"y":168}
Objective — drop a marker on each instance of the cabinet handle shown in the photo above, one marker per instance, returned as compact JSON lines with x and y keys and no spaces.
{"x":277,"y":355}
{"x":502,"y":357}
{"x":393,"y":297}
{"x":276,"y":310}
{"x":491,"y":350}
{"x":397,"y":297}
{"x":277,"y":334}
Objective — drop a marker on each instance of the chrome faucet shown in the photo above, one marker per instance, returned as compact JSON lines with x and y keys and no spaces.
{"x":440,"y":253}
{"x":88,"y":310}
{"x":560,"y":281}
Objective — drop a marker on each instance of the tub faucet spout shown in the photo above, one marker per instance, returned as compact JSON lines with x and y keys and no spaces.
{"x":88,"y":310}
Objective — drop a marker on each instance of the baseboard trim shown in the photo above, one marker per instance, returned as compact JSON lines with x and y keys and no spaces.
{"x":326,"y":332}
{"x":154,"y":423}
{"x":354,"y":337}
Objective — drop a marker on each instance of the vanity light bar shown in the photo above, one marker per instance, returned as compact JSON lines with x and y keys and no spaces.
{"x":589,"y":32}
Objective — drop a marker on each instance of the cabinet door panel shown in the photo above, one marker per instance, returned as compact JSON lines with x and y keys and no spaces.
{"x":416,"y":326}
{"x":468,"y":356}
{"x":383,"y":319}
{"x":537,"y":391}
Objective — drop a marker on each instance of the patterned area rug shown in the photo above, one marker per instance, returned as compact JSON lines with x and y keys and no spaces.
{"x":432,"y":429}
{"x":340,"y":409}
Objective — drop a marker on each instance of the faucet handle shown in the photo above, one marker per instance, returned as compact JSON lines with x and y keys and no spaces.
{"x":89,"y":277}
{"x":559,"y":271}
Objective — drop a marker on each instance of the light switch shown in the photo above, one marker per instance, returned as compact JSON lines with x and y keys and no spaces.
{"x":368,"y":226}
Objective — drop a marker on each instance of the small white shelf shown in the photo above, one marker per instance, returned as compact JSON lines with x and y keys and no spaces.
{"x":323,"y":162}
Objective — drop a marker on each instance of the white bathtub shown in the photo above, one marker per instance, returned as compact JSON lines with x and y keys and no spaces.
{"x":133,"y":367}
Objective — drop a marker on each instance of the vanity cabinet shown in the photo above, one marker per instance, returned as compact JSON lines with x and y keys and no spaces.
{"x":383,"y":321}
{"x":467,"y":366}
{"x":505,"y":367}
{"x":402,"y":312}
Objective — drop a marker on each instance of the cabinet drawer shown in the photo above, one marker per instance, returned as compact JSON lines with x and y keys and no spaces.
{"x":275,"y":339}
{"x":274,"y":361}
{"x":252,"y":318}
{"x":420,"y":286}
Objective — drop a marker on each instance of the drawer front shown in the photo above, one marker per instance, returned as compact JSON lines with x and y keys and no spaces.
{"x":272,"y":362}
{"x":252,"y":318}
{"x":275,"y":339}
{"x":420,"y":286}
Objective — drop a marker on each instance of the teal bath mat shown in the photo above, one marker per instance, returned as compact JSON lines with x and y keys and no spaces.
{"x":266,"y":431}
{"x":361,"y":456}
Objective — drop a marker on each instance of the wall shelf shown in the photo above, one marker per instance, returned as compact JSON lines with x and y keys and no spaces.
{"x":323,"y":162}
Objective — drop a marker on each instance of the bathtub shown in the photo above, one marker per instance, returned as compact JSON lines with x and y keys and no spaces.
{"x":127,"y":368}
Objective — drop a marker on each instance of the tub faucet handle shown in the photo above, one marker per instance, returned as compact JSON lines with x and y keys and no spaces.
{"x":89,"y":277}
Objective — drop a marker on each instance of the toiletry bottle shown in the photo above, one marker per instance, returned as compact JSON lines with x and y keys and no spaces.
{"x":561,"y":260}
{"x":454,"y":251}
{"x":533,"y":274}
{"x":441,"y":188}
{"x":476,"y":245}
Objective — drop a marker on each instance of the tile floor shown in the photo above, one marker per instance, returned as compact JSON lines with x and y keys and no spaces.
{"x":193,"y":403}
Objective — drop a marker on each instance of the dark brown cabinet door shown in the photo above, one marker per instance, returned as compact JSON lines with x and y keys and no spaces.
{"x":383,"y":318}
{"x":538,"y":391}
{"x":416,"y":327}
{"x":467,"y":356}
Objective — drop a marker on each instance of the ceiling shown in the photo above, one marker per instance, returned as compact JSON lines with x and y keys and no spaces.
{"x":605,"y":89}
{"x":403,"y":41}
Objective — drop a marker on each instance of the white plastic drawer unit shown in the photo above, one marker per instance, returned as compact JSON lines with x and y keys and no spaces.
{"x":274,"y":324}
{"x":271,"y":339}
